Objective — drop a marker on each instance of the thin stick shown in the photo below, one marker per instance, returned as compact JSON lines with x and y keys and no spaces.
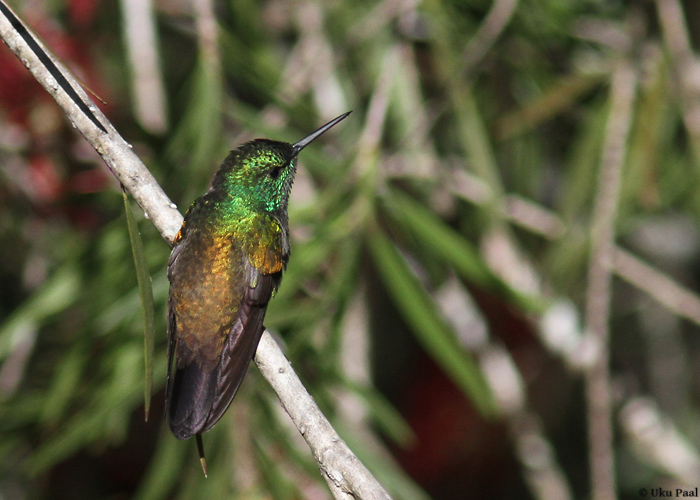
{"x":599,"y":291}
{"x":207,"y":34}
{"x":141,"y":40}
{"x":660,"y":287}
{"x":677,"y":38}
{"x":490,"y":29}
{"x":345,"y":474}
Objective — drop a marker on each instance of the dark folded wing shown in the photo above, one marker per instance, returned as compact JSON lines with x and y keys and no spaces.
{"x":242,"y":342}
{"x":190,"y":389}
{"x":203,"y":375}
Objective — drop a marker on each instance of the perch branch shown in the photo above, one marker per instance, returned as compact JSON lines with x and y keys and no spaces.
{"x":346,"y":475}
{"x":335,"y":459}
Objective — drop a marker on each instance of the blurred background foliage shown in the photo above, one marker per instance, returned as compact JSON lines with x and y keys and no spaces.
{"x":439,"y":301}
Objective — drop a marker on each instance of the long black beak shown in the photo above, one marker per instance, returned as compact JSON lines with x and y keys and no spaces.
{"x":312,"y":136}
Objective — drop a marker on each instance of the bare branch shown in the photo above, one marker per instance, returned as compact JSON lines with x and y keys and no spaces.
{"x":346,"y":475}
{"x":207,"y":34}
{"x":657,"y":441}
{"x":599,"y":291}
{"x":685,"y":65}
{"x":675,"y":297}
{"x":141,"y":41}
{"x":490,"y":29}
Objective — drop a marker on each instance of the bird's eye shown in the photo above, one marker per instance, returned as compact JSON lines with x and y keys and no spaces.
{"x":274,"y":172}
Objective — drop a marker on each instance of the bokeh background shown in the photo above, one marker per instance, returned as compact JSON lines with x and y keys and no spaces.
{"x":493,"y":286}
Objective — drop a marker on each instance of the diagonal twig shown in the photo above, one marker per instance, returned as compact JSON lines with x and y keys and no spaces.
{"x":490,"y":29}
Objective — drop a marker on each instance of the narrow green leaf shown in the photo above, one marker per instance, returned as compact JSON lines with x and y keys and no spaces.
{"x":146,"y":290}
{"x":455,"y":250}
{"x":276,"y":481}
{"x":164,"y":469}
{"x":387,"y":418}
{"x":431,"y":329}
{"x":55,"y":295}
{"x":91,"y":424}
{"x":64,"y":381}
{"x":195,"y":153}
{"x":558,"y":98}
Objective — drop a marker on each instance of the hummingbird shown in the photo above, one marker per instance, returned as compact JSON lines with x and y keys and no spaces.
{"x":226,"y":264}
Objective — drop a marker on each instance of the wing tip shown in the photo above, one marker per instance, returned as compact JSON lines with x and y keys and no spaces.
{"x":190,"y":398}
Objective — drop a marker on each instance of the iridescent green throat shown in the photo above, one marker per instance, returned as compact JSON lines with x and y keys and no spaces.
{"x":256,"y":176}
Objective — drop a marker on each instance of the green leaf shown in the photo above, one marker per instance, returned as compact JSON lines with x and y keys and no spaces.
{"x":431,"y":329}
{"x":195,"y":147}
{"x":165,"y":468}
{"x":387,"y":418}
{"x":146,"y":291}
{"x":64,"y":384}
{"x":55,"y":295}
{"x":455,"y":250}
{"x":276,"y":482}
